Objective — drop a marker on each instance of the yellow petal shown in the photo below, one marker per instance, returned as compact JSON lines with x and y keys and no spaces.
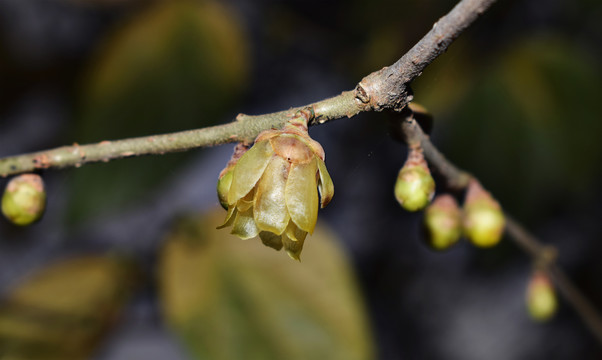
{"x":229,"y":217}
{"x":270,"y":208}
{"x":293,"y":247}
{"x":248,"y":170}
{"x":302,"y":195}
{"x":325,"y":186}
{"x":246,"y":202}
{"x":244,"y":225}
{"x":294,"y":233}
{"x":270,"y":239}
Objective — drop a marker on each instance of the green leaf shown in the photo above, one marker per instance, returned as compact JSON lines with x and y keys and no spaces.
{"x":529,"y":125}
{"x":233,"y":299}
{"x":176,"y":65}
{"x":62,"y":311}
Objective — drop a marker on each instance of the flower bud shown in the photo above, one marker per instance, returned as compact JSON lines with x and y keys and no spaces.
{"x":415,"y":186}
{"x":541,"y":297}
{"x":24,"y":199}
{"x":442,"y":223}
{"x":483,"y":217}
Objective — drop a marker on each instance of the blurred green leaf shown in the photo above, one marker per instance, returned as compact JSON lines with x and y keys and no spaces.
{"x":62,"y":311}
{"x":175,"y":66}
{"x":529,"y":126}
{"x":234,"y":299}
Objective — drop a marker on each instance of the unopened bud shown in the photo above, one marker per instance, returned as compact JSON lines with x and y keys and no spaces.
{"x":541,"y":297}
{"x":24,"y":199}
{"x":415,"y":186}
{"x":483,"y":217}
{"x":442,"y":223}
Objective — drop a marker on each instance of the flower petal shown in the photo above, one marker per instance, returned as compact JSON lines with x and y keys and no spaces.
{"x":244,"y":225}
{"x":293,"y":247}
{"x":270,"y":208}
{"x":246,"y":202}
{"x":325,"y":185}
{"x":249,"y":169}
{"x":292,"y":148}
{"x":294,"y":233}
{"x":302,"y":195}
{"x":229,"y":217}
{"x":270,"y":239}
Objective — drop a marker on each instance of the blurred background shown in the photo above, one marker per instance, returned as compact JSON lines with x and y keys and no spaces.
{"x":127,"y":264}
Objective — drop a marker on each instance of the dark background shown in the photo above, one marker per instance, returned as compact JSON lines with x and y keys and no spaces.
{"x":515,"y":101}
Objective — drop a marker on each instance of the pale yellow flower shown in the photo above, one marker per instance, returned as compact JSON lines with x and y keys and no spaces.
{"x":274,"y":189}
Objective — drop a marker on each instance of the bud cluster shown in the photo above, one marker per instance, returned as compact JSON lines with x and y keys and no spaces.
{"x":481,"y":220}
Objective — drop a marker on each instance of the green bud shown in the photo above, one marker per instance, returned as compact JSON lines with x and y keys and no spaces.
{"x":442,"y":223}
{"x":483,"y":217}
{"x":24,"y":199}
{"x":415,"y":186}
{"x":223,"y":186}
{"x":541,"y":297}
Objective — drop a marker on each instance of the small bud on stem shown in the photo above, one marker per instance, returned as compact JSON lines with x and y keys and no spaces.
{"x":24,"y":199}
{"x":415,"y":186}
{"x":483,"y":217}
{"x":442,"y":223}
{"x":541,"y":297}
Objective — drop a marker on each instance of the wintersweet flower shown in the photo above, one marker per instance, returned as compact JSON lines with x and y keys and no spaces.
{"x":274,"y":189}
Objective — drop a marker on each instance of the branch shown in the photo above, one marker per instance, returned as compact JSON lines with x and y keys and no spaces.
{"x":387,"y":88}
{"x":544,"y":256}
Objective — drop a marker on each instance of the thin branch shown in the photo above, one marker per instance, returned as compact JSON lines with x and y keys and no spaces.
{"x":244,"y":129}
{"x":544,"y":256}
{"x":585,"y":309}
{"x":387,"y":88}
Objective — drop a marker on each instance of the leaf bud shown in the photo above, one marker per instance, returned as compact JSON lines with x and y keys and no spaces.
{"x":24,"y":199}
{"x":541,"y":297}
{"x":415,"y":186}
{"x":483,"y":217}
{"x":442,"y":223}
